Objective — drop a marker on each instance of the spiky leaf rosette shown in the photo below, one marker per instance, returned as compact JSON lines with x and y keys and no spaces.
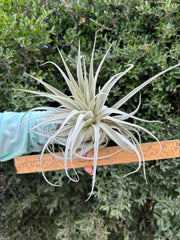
{"x":83,"y":119}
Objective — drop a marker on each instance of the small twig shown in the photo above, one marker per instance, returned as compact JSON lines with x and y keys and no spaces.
{"x":93,"y":212}
{"x":70,"y":12}
{"x":11,"y":191}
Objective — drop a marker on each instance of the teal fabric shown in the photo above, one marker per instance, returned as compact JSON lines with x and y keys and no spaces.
{"x":14,"y":141}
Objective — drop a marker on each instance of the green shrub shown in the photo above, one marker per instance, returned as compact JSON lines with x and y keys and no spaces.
{"x":145,"y":33}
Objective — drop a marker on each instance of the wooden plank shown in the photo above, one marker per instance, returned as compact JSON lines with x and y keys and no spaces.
{"x":31,"y":163}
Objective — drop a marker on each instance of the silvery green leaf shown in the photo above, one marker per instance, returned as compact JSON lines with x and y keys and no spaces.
{"x":137,"y":89}
{"x":67,"y":102}
{"x":116,"y":137}
{"x":76,"y":90}
{"x":96,"y":148}
{"x":107,"y":87}
{"x":52,"y":89}
{"x":80,"y":73}
{"x":93,"y":85}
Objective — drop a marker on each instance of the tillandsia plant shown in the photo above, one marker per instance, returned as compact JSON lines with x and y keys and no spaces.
{"x":84,"y":121}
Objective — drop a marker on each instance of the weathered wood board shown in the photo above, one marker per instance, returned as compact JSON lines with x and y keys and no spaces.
{"x":31,"y":163}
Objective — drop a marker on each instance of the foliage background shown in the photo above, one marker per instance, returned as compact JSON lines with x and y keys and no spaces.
{"x":146,"y":33}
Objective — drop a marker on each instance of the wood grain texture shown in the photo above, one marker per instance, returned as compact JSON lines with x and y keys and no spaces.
{"x":31,"y":163}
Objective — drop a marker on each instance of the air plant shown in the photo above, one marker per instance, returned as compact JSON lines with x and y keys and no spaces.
{"x":83,"y":120}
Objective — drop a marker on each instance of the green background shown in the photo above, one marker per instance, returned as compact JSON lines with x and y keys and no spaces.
{"x":145,"y":33}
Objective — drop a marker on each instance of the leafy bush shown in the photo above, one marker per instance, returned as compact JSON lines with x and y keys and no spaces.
{"x":145,"y":33}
